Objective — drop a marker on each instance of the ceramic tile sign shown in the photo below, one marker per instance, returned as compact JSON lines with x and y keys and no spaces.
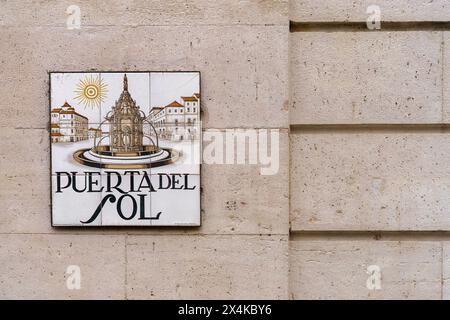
{"x":125,"y":148}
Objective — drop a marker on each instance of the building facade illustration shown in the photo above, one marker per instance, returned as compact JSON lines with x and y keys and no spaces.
{"x":178,"y":121}
{"x":67,"y":125}
{"x":94,"y":133}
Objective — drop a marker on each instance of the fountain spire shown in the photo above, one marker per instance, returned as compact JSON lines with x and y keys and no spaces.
{"x":125,"y":83}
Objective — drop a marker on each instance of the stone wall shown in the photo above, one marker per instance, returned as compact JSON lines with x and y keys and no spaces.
{"x":369,"y":196}
{"x":363,"y":176}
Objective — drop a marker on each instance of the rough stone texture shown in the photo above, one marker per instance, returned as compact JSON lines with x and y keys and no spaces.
{"x":213,"y":267}
{"x":347,"y":180}
{"x":356,"y":10}
{"x":34,"y":266}
{"x":338,"y":269}
{"x":25,"y":204}
{"x":25,"y":180}
{"x":446,"y":271}
{"x":446,"y":77}
{"x":382,"y":77}
{"x":145,"y":12}
{"x":22,"y":159}
{"x":239,"y":199}
{"x":244,"y":68}
{"x":374,"y":180}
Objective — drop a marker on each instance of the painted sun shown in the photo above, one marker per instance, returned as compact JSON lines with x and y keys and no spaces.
{"x":91,"y":91}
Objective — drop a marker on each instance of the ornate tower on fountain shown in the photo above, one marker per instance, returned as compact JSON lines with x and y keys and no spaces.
{"x":126,"y":123}
{"x":126,"y":148}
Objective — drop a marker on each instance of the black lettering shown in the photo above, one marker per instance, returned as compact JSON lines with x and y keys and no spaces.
{"x":74,"y":183}
{"x":93,"y":183}
{"x":176,"y":181}
{"x":58,"y":181}
{"x":186,"y":183}
{"x":97,"y":211}
{"x":116,"y":186}
{"x":119,"y":207}
{"x":132,"y":173}
{"x":148,"y":184}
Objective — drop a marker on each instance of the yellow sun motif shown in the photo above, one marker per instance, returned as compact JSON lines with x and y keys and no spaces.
{"x":91,"y":91}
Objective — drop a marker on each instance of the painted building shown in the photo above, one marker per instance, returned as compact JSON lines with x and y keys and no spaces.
{"x":177,"y":121}
{"x":67,"y":125}
{"x":94,"y":132}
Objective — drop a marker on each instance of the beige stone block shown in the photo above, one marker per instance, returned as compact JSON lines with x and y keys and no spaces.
{"x":34,"y":266}
{"x":339,"y":269}
{"x":370,"y":180}
{"x":446,"y":270}
{"x":238,"y":198}
{"x":446,"y":77}
{"x":25,"y":203}
{"x":145,"y":12}
{"x":244,"y":69}
{"x":25,"y":179}
{"x":24,"y":150}
{"x":350,"y":10}
{"x":361,"y":77}
{"x":207,"y":267}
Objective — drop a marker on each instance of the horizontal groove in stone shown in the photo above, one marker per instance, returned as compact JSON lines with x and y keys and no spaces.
{"x":394,"y":127}
{"x":398,"y":235}
{"x":386,"y":26}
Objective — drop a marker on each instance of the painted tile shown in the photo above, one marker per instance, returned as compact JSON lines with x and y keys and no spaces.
{"x":175,"y":101}
{"x":75,"y":198}
{"x":148,"y":123}
{"x":136,"y":86}
{"x":176,"y":200}
{"x":78,"y":94}
{"x":126,"y":198}
{"x":72,"y":153}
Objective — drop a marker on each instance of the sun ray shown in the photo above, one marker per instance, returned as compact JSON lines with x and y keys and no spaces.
{"x":91,"y":91}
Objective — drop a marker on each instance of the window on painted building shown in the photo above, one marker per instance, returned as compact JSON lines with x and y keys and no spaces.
{"x":194,"y":109}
